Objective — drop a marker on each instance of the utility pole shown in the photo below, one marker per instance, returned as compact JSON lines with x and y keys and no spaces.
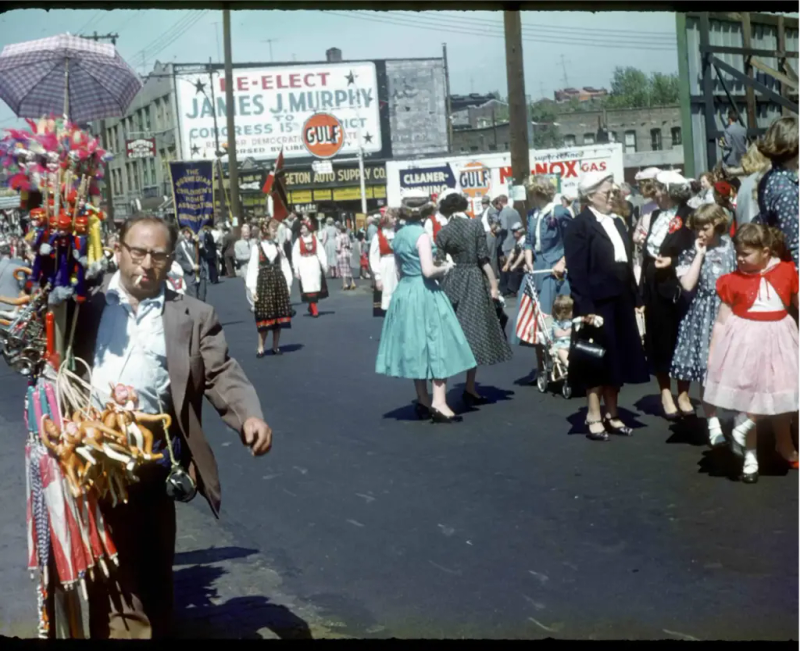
{"x":269,"y":40}
{"x":564,"y":67}
{"x":447,"y":97}
{"x":233,"y":169}
{"x":517,"y":110}
{"x":107,"y":180}
{"x":217,"y":150}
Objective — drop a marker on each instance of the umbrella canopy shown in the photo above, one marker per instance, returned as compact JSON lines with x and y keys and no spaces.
{"x":35,"y":74}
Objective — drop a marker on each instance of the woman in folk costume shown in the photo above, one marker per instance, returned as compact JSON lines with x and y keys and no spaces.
{"x":328,"y":237}
{"x":382,"y":264}
{"x":435,"y":223}
{"x":421,"y":338}
{"x":310,"y":266}
{"x":269,"y":281}
{"x":471,"y":287}
{"x":344,"y":254}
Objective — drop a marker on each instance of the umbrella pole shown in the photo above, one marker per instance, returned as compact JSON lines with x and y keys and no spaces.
{"x":66,"y":88}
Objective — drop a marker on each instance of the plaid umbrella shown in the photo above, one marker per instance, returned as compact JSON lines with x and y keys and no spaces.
{"x":34,"y":75}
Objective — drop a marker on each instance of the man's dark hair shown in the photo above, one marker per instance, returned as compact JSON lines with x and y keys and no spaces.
{"x":148,"y":218}
{"x":733,"y":114}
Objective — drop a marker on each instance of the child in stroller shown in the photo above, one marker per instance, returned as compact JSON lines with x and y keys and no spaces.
{"x":561,"y":330}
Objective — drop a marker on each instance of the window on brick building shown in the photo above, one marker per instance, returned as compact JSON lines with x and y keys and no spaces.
{"x":588,"y":139}
{"x":676,"y":137}
{"x":655,"y":140}
{"x":612,"y":136}
{"x":630,"y":142}
{"x":569,"y":140}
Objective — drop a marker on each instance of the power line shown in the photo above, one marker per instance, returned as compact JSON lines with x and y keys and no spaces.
{"x":480,"y":22}
{"x":165,"y":35}
{"x":621,"y":44}
{"x":177,"y":35}
{"x":90,"y":21}
{"x":539,"y":35}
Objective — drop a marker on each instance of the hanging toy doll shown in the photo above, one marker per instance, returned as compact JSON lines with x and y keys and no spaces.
{"x":39,"y":245}
{"x":95,"y":257}
{"x":61,"y":242}
{"x":80,"y":262}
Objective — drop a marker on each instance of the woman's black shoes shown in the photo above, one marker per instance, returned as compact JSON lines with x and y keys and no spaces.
{"x":277,"y":351}
{"x":438,"y":417}
{"x":595,"y":436}
{"x":673,"y":417}
{"x":423,"y":412}
{"x":472,"y":400}
{"x":260,"y":354}
{"x":624,"y":430}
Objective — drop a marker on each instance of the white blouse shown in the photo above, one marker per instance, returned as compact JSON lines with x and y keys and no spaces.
{"x":607,"y":222}
{"x":659,"y":231}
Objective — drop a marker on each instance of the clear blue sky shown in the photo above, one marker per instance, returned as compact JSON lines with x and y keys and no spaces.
{"x":592,"y":44}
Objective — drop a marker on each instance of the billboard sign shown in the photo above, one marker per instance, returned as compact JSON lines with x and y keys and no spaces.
{"x":490,"y":174}
{"x":272,"y":105}
{"x":141,"y":148}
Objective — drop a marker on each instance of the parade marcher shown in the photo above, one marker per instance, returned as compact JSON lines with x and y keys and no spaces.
{"x":172,"y":351}
{"x":471,"y":287}
{"x":382,"y":264}
{"x":210,"y":254}
{"x":433,"y":224}
{"x":344,"y":258}
{"x":372,"y":227}
{"x":753,"y":361}
{"x":269,"y":280}
{"x":421,"y":338}
{"x":242,"y":250}
{"x":228,"y":253}
{"x":193,"y":272}
{"x":661,"y":291}
{"x":328,"y":238}
{"x":698,"y":269}
{"x":598,"y":255}
{"x":777,"y":190}
{"x":310,"y":265}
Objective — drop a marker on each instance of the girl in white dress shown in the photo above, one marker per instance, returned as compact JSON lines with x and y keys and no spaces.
{"x":382,"y":264}
{"x":310,"y":265}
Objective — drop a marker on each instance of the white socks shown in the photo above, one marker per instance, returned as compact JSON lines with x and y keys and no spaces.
{"x":750,"y":463}
{"x":715,"y":436}
{"x":740,"y":433}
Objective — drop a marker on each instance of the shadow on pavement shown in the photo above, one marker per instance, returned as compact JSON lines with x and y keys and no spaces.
{"x":406,"y":412}
{"x":199,"y":613}
{"x":291,"y":348}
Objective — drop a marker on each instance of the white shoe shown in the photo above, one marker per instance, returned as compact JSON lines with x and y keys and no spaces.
{"x":750,"y":469}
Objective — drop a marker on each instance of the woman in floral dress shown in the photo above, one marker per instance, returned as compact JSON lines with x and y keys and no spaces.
{"x":698,"y":269}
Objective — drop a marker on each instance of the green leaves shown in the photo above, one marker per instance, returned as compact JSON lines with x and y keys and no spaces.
{"x":632,"y":88}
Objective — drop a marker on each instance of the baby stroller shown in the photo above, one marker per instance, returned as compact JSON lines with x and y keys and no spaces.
{"x":533,"y":327}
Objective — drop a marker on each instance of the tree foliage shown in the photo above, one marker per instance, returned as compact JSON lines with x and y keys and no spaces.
{"x":545,"y":132}
{"x":632,"y":88}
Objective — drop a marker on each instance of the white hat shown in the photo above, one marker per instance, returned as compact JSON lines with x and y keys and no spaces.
{"x":646,"y":174}
{"x":671,"y":177}
{"x":592,"y":180}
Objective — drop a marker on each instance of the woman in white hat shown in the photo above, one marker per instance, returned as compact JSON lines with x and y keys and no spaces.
{"x":598,"y":254}
{"x":662,"y":293}
{"x":647,"y":188}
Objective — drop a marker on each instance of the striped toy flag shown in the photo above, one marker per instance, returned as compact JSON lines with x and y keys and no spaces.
{"x":528,"y":316}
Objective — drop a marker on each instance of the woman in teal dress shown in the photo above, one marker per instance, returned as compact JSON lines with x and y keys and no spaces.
{"x":422,"y":339}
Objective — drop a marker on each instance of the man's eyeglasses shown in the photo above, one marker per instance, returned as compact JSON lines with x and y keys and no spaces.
{"x":159,"y":258}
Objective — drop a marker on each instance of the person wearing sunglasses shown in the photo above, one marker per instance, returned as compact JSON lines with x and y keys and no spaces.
{"x":171,"y":350}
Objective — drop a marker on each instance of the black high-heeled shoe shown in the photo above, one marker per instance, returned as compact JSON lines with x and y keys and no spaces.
{"x":595,"y":436}
{"x":260,"y":355}
{"x":438,"y":417}
{"x":277,"y":351}
{"x":423,"y":412}
{"x":473,"y":401}
{"x":675,"y":416}
{"x":620,"y":431}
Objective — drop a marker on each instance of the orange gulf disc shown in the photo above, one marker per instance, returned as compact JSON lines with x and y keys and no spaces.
{"x":323,"y":135}
{"x":475,"y":181}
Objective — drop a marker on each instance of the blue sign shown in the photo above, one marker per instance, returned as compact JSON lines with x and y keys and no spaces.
{"x":193,"y":192}
{"x":432,"y":180}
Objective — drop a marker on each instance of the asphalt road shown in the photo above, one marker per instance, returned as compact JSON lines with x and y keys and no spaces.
{"x":364,"y":522}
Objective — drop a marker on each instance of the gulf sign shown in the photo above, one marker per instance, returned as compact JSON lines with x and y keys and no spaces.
{"x":323,"y":135}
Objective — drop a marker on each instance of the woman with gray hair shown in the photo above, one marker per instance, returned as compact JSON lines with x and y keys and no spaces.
{"x":599,"y":256}
{"x":662,"y":293}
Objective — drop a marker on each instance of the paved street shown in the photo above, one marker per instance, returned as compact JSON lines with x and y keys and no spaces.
{"x":364,"y":522}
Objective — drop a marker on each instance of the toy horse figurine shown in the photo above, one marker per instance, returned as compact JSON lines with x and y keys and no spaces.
{"x":122,"y":415}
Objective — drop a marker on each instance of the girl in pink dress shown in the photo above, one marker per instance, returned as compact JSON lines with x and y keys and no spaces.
{"x":753,"y":357}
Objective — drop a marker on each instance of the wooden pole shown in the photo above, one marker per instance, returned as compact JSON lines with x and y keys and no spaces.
{"x":747,"y":42}
{"x":517,"y":110}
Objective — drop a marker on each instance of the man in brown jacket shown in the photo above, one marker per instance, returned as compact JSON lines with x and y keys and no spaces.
{"x":170,"y":348}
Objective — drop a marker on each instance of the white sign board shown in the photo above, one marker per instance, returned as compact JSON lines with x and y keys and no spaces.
{"x":479,"y":175}
{"x":322,"y":166}
{"x":272,"y":104}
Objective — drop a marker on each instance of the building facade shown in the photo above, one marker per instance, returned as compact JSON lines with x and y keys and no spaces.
{"x":651,"y":137}
{"x":139,"y":172}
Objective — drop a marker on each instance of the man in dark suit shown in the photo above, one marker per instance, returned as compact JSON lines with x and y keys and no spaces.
{"x":195,"y":271}
{"x":210,"y":255}
{"x":133,"y":328}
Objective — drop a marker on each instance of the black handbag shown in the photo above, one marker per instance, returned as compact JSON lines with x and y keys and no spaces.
{"x":583,"y":348}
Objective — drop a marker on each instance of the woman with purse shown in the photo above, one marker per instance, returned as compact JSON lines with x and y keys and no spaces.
{"x":606,"y":353}
{"x":662,"y":293}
